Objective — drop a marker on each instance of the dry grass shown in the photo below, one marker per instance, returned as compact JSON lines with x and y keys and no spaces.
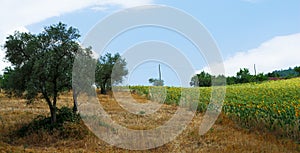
{"x":224,"y":136}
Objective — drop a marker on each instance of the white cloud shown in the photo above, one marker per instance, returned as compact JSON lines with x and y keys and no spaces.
{"x":280,"y":52}
{"x":99,"y":8}
{"x":15,"y":14}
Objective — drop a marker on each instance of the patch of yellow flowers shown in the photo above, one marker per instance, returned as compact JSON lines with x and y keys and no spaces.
{"x":275,"y":104}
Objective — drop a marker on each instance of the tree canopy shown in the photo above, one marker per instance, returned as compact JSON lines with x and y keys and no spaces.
{"x":43,"y":62}
{"x":156,"y":82}
{"x":297,"y":69}
{"x":11,"y":83}
{"x":201,"y":80}
{"x":243,"y":76}
{"x":110,"y":70}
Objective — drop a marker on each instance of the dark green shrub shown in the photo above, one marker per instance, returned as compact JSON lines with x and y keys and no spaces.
{"x":43,"y":123}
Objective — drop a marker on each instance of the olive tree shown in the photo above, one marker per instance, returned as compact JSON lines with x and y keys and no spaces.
{"x":44,"y":61}
{"x":110,"y":69}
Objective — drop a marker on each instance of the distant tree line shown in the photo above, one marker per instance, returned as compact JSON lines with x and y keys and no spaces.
{"x":286,"y":74}
{"x":204,"y":79}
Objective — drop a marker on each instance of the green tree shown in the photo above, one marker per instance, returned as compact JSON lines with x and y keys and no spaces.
{"x":202,"y":79}
{"x":297,"y":69}
{"x":12,"y":83}
{"x":82,"y":78}
{"x":243,"y":76}
{"x":261,"y":77}
{"x":231,"y":80}
{"x":219,"y":80}
{"x":156,"y":82}
{"x":44,"y":61}
{"x":110,"y":70}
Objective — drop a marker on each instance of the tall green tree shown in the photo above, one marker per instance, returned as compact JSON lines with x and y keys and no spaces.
{"x":202,"y":79}
{"x":44,"y":61}
{"x":297,"y":69}
{"x":110,"y":70}
{"x":244,"y":76}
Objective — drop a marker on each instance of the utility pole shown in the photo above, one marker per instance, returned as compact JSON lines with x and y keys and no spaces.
{"x":254,"y":70}
{"x":159,"y":72}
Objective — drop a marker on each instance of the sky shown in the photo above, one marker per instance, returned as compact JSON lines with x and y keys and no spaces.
{"x":247,"y":32}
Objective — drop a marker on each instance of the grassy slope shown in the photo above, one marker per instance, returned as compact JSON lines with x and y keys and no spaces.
{"x":225,"y":136}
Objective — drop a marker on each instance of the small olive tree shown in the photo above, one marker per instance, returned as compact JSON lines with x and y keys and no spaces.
{"x":110,"y":69}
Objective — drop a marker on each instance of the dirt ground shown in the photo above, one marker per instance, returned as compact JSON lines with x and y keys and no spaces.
{"x":224,"y":136}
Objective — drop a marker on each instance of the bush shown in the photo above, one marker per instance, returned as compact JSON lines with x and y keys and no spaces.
{"x":43,"y":123}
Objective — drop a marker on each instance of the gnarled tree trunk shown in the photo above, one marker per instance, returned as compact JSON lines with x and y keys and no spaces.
{"x":75,"y":103}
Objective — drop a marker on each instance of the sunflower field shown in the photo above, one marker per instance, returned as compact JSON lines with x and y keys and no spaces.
{"x":271,"y":105}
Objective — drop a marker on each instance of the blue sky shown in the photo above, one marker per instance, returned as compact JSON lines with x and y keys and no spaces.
{"x":247,"y":32}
